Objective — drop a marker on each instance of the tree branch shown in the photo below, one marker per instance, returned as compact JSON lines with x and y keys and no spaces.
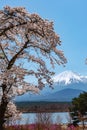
{"x":12,"y":61}
{"x":4,"y":53}
{"x":10,"y":27}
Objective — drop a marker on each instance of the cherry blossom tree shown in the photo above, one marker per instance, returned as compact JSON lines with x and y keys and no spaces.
{"x":28,"y":48}
{"x":12,"y":114}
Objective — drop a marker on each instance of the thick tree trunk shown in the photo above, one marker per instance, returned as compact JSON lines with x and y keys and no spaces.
{"x":3,"y":107}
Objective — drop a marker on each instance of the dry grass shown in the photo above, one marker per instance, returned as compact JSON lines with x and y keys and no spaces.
{"x":42,"y":127}
{"x":35,"y":127}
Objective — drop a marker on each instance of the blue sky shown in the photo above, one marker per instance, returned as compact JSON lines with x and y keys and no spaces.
{"x":70,"y":22}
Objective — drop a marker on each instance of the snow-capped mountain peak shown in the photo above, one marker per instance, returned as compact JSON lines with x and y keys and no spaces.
{"x":68,"y":77}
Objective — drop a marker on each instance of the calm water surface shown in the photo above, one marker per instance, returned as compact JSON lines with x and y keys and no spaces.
{"x":60,"y":117}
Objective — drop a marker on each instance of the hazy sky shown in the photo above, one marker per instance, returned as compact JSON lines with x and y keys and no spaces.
{"x":70,"y":22}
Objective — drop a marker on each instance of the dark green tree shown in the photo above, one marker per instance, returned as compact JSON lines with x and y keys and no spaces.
{"x":78,"y":111}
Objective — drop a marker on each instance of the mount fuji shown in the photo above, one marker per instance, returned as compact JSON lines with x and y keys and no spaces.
{"x":67,"y":85}
{"x":68,"y":77}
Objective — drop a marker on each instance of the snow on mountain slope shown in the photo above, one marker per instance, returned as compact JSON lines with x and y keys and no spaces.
{"x":67,"y":77}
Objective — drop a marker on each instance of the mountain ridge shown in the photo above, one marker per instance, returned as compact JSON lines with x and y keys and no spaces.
{"x":66,"y":94}
{"x":66,"y":80}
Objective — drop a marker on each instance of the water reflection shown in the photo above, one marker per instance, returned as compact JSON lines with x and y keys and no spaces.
{"x":60,"y":117}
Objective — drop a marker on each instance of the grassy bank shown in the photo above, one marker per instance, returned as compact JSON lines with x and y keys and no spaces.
{"x":35,"y":127}
{"x":43,"y":127}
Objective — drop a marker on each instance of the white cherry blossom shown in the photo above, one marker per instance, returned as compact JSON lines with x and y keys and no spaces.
{"x":27,"y":43}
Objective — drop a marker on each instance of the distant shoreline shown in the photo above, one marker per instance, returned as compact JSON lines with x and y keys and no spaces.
{"x":35,"y":107}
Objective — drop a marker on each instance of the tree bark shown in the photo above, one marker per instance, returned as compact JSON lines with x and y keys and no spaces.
{"x":3,"y":107}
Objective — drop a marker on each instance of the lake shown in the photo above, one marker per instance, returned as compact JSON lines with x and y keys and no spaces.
{"x":59,"y":117}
